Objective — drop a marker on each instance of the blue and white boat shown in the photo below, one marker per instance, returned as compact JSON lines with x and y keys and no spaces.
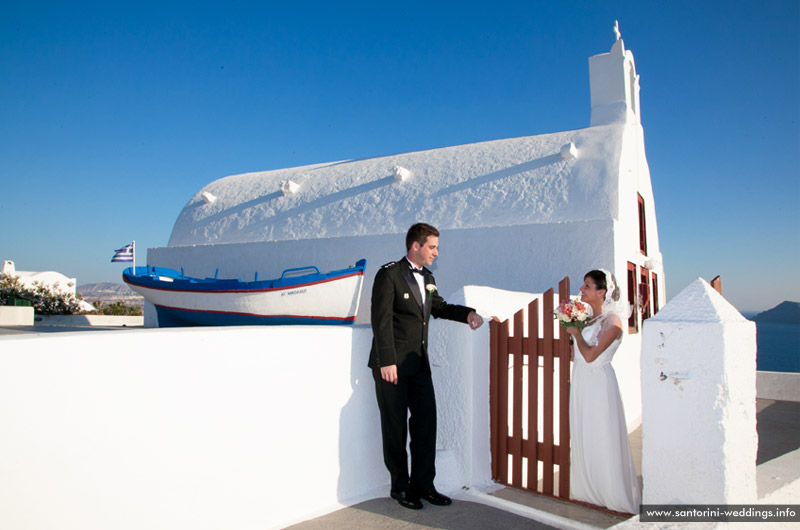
{"x":300,"y":296}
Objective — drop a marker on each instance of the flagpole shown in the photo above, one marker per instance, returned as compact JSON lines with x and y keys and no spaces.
{"x":133,"y":251}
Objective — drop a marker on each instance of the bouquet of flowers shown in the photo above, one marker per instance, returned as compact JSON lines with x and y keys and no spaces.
{"x":573,"y":313}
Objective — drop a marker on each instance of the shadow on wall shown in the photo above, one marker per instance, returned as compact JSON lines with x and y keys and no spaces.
{"x":359,"y":420}
{"x":777,"y":423}
{"x":281,"y":217}
{"x":332,"y":198}
{"x":497,"y":175}
{"x":240,"y":207}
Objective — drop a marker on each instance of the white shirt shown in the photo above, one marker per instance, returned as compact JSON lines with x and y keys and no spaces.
{"x":420,"y":280}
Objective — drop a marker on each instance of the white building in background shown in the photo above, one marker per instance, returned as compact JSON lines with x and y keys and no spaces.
{"x":55,"y":281}
{"x":52,"y":279}
{"x":516,"y":214}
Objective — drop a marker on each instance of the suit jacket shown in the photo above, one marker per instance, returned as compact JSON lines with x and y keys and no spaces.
{"x":400,"y":317}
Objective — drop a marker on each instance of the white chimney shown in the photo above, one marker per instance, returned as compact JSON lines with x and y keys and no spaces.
{"x":8,"y":268}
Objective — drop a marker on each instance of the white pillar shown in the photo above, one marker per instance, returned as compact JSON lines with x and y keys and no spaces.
{"x":698,"y":399}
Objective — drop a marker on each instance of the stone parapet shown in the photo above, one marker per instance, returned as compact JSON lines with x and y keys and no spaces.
{"x":16,"y":315}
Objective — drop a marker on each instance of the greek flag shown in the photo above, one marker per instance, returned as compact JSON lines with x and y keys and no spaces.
{"x":124,"y":254}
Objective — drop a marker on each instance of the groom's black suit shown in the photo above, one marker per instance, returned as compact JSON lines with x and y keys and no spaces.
{"x":400,"y":337}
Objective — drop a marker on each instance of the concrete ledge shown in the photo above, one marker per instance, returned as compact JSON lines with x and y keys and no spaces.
{"x":780,"y":386}
{"x":16,"y":315}
{"x":88,"y":320}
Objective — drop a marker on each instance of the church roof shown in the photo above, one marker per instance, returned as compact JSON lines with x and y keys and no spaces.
{"x":517,"y":181}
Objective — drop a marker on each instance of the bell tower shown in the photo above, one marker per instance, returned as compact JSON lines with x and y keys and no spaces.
{"x":614,"y":85}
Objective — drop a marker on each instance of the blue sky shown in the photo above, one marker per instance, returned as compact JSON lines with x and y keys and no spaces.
{"x":112,"y":115}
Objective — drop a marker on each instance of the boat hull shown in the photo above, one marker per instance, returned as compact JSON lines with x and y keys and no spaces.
{"x":315,"y":299}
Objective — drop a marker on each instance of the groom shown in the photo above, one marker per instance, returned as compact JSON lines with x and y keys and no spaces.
{"x":404,"y":296}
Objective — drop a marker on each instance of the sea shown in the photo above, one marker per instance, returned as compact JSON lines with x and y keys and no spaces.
{"x":778,"y":346}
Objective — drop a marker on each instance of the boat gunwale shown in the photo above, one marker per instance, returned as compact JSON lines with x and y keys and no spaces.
{"x":191,"y":285}
{"x":162,"y":286}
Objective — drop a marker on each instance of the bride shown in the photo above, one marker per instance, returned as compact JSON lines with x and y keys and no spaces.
{"x":602,"y":470}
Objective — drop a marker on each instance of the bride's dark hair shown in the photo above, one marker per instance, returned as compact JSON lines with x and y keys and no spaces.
{"x":599,"y":278}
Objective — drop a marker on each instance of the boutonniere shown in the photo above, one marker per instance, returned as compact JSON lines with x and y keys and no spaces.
{"x":430,"y":288}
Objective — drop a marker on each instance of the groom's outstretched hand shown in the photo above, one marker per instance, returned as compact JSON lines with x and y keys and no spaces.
{"x":474,"y":320}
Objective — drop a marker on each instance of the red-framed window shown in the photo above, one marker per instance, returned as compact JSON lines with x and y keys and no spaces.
{"x":633,"y":320}
{"x":644,"y":292}
{"x":655,"y":293}
{"x":642,"y":226}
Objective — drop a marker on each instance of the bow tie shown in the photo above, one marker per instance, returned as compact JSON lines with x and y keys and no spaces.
{"x":416,"y":271}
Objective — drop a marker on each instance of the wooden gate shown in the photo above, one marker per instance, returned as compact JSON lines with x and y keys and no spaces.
{"x":529,"y":380}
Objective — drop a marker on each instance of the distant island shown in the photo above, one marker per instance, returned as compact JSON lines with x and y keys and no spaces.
{"x":110,"y":292}
{"x":785,"y":313}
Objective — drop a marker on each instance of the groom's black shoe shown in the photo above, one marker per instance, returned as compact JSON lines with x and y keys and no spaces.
{"x":434,"y":497}
{"x":406,"y":500}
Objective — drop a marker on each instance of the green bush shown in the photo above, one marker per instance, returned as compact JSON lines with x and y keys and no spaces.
{"x":10,"y":286}
{"x":117,"y":308}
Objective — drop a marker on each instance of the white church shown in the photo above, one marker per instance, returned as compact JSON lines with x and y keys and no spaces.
{"x":517,"y":214}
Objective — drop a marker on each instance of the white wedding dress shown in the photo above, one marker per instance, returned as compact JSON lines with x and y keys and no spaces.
{"x":602,"y":470}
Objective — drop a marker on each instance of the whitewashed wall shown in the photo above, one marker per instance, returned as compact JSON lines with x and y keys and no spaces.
{"x":185,"y":428}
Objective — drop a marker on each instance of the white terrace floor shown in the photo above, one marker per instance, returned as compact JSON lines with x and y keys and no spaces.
{"x":778,"y":464}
